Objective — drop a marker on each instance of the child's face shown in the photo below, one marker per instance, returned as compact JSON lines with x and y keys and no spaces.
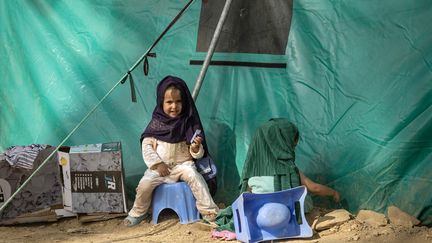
{"x":172,"y":104}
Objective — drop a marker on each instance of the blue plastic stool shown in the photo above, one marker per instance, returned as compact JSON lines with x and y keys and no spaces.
{"x":271,"y":216}
{"x":178,"y":197}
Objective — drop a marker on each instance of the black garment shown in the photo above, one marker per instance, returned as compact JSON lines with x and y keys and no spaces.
{"x":177,"y":129}
{"x":180,"y":128}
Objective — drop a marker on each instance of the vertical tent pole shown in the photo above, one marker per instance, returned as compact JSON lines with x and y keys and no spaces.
{"x":210,"y":51}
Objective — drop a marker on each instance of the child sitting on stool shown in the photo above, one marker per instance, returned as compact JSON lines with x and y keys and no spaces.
{"x":168,"y":153}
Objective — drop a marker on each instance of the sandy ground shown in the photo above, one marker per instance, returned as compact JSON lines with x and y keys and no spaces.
{"x":170,"y":230}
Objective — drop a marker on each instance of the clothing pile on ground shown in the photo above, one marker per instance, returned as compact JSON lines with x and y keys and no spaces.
{"x":17,"y":164}
{"x":22,"y":156}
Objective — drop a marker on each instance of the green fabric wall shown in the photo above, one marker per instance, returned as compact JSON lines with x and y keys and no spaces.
{"x":358,"y":84}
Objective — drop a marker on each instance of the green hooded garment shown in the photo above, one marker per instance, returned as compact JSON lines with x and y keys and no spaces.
{"x":271,"y":153}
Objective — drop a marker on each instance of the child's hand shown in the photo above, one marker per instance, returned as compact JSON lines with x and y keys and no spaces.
{"x":163,"y":169}
{"x":196,"y":144}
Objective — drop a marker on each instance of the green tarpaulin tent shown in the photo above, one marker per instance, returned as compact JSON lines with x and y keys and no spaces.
{"x":355,"y":76}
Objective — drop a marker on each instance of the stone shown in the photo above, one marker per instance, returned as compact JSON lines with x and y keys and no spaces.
{"x":78,"y":230}
{"x":331,"y":219}
{"x":371,"y":218}
{"x":399,"y":217}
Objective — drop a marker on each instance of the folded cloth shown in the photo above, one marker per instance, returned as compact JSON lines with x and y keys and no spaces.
{"x":225,"y":220}
{"x":224,"y":234}
{"x":23,"y":156}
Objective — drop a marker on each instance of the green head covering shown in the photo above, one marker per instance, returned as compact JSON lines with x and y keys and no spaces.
{"x":271,"y":153}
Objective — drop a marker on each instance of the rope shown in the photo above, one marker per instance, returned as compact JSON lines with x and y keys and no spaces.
{"x":122,"y":80}
{"x":61,"y":144}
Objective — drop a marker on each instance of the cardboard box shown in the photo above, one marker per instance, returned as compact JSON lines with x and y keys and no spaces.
{"x":41,"y":193}
{"x":93,"y":178}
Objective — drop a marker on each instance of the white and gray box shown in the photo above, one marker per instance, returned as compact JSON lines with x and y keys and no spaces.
{"x":93,"y":178}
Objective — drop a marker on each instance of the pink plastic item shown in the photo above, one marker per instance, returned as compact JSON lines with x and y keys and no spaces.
{"x":224,"y":234}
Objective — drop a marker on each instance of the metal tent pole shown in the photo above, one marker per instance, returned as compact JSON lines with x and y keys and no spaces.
{"x":210,"y":51}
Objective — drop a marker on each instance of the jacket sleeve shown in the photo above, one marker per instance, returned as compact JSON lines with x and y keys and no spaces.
{"x":199,"y":154}
{"x":151,"y":158}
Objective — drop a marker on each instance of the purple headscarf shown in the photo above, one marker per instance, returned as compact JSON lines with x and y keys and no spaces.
{"x":180,"y":128}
